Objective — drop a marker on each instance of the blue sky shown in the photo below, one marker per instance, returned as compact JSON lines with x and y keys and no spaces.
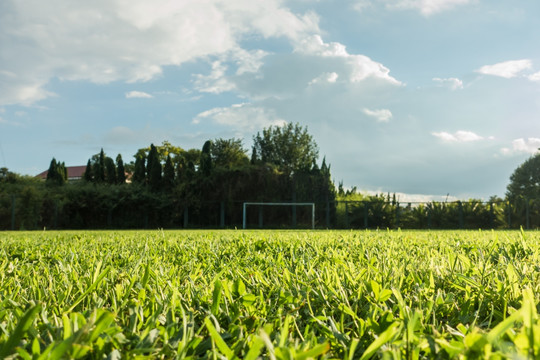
{"x":426,"y":97}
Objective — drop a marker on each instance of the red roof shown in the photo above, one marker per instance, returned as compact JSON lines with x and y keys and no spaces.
{"x":73,"y":172}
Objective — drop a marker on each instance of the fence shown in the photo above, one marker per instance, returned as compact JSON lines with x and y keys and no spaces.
{"x":24,"y":212}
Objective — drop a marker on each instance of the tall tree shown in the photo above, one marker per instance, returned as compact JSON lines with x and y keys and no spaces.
{"x":206,"y":158}
{"x":291,"y":148}
{"x":163,"y":150}
{"x":88,"y":175}
{"x":193,"y":156}
{"x":51,"y":173}
{"x":120,"y":170}
{"x":228,"y":153}
{"x":254,"y":157}
{"x":7,"y":176}
{"x":525,"y":181}
{"x":139,"y":173}
{"x":168,"y":174}
{"x":154,"y":169}
{"x":57,"y":174}
{"x":110,"y":170}
{"x":328,"y":189}
{"x":99,"y":167}
{"x":62,"y":171}
{"x":180,"y":169}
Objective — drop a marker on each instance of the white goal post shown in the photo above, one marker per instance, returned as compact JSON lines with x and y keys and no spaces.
{"x":246,"y":204}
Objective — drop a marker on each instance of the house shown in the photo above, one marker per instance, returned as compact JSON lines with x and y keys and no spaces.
{"x":74,"y":173}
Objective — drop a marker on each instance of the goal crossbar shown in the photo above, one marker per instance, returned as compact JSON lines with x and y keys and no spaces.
{"x":244,"y":215}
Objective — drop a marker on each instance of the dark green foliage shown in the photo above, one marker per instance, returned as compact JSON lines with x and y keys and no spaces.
{"x":57,"y":173}
{"x":99,"y":167}
{"x":120,"y":170}
{"x":88,"y":174}
{"x":168,"y":174}
{"x":154,"y":169}
{"x":63,"y":171}
{"x":206,"y":159}
{"x":190,"y":170}
{"x":163,"y":150}
{"x":7,"y":176}
{"x":228,"y":153}
{"x":110,"y":171}
{"x":193,"y":156}
{"x":525,"y":181}
{"x":180,"y":170}
{"x":139,"y":173}
{"x":52,"y":172}
{"x":291,"y":148}
{"x":254,"y":158}
{"x":385,"y":211}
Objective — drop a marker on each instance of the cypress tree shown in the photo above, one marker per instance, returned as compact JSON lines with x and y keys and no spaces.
{"x":120,"y":170}
{"x":190,"y":170}
{"x":62,"y":173}
{"x":253,"y":155}
{"x":139,"y":173}
{"x":57,"y":173}
{"x":154,"y":169}
{"x":88,"y":176}
{"x":206,"y":158}
{"x":51,"y":173}
{"x":180,"y":169}
{"x":99,"y":168}
{"x":110,"y":170}
{"x":168,"y":174}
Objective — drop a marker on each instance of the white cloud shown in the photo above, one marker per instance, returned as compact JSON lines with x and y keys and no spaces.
{"x":129,"y":40}
{"x":360,"y":67}
{"x":426,"y":7}
{"x":528,"y":146}
{"x":216,"y":82}
{"x":243,"y":117}
{"x":452,"y":83}
{"x":248,"y":61}
{"x":534,"y":77}
{"x":22,"y":89}
{"x":362,"y":5}
{"x":458,"y":136}
{"x":506,"y":69}
{"x":138,"y":94}
{"x":382,"y":115}
{"x":325,"y":78}
{"x":285,"y":75}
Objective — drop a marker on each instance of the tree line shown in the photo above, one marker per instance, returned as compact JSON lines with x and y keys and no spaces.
{"x":169,"y":187}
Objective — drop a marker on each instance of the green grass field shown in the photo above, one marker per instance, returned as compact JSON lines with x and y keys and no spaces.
{"x":270,"y":294}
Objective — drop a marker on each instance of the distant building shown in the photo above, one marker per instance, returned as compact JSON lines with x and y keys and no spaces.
{"x":74,"y":173}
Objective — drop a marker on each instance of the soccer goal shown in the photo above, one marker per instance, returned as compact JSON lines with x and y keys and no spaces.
{"x":292,"y":204}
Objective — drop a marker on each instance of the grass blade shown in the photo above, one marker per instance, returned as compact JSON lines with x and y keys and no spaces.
{"x":22,"y":327}
{"x":225,"y":350}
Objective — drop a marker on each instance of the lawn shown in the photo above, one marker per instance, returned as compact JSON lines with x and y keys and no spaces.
{"x":269,"y":294}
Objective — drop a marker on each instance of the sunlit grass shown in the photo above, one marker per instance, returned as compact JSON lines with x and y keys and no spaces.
{"x":269,"y":294}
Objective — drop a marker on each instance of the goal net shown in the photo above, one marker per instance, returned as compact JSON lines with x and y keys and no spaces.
{"x":293,"y":205}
